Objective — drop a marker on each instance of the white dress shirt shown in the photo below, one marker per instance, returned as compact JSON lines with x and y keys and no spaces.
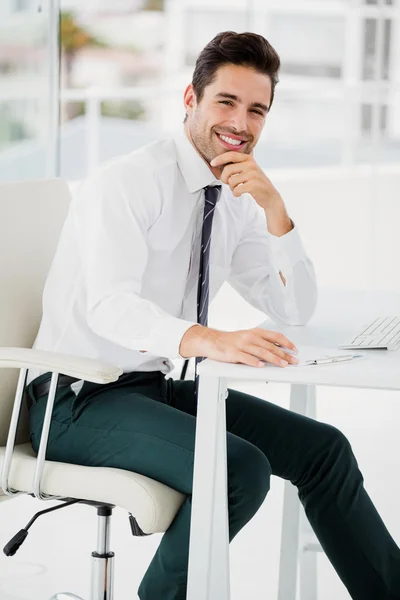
{"x":123,"y":283}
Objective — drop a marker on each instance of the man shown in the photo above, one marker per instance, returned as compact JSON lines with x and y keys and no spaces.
{"x":131,"y":282}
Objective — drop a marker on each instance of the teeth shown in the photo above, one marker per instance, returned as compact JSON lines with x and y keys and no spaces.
{"x":229,"y":140}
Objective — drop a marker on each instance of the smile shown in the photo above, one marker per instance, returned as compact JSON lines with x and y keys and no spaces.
{"x":231,"y":143}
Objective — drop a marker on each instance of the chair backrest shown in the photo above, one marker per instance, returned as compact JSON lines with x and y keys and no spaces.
{"x":31,"y":218}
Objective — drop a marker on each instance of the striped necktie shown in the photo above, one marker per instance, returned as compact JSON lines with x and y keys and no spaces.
{"x":212,"y":194}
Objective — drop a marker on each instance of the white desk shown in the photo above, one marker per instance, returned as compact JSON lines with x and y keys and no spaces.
{"x":339,"y":315}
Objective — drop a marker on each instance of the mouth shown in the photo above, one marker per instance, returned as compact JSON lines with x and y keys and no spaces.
{"x":231,"y":142}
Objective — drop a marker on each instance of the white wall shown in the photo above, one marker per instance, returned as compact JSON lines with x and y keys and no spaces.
{"x":349,"y":223}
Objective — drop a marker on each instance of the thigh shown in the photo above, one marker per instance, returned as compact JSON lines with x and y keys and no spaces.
{"x":289,"y":441}
{"x":133,"y":425}
{"x":127,"y":425}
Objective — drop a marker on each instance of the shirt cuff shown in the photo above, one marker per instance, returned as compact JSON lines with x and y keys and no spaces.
{"x":166,"y":336}
{"x":287,"y":250}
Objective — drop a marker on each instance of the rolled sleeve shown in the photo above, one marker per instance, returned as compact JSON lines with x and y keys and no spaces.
{"x":255,"y":268}
{"x":286,"y":251}
{"x":166,"y":336}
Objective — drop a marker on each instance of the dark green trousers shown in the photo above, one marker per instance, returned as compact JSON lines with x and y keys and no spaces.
{"x":145,"y":423}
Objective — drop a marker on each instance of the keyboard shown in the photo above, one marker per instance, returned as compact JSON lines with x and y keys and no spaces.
{"x":382,"y":333}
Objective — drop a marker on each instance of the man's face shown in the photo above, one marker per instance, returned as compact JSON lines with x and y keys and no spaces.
{"x":231,"y":114}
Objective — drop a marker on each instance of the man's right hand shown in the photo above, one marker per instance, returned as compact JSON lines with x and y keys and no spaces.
{"x":248,"y":346}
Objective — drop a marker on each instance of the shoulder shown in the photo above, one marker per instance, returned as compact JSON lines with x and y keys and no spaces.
{"x":136,"y":178}
{"x":146,"y":163}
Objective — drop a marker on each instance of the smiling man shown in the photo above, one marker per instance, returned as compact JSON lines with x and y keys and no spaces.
{"x":148,"y":242}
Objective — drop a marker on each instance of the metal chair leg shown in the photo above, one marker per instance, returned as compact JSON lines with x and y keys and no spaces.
{"x":103,"y":559}
{"x":102,"y":562}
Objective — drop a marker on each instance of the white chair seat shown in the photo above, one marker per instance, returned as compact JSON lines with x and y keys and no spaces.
{"x":153,"y":504}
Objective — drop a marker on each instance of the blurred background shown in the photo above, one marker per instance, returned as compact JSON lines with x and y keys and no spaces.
{"x":124,"y":64}
{"x":331,"y":145}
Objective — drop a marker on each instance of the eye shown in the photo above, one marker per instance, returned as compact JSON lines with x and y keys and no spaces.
{"x":227,"y":102}
{"x":257,"y":112}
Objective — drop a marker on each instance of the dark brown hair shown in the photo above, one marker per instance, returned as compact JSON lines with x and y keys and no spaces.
{"x":244,"y":49}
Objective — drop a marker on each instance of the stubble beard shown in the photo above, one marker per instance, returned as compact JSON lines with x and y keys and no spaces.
{"x":204,"y":143}
{"x":207,"y":145}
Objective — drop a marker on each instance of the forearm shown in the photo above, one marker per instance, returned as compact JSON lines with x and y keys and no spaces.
{"x":279,"y":223}
{"x":195,"y":341}
{"x":260,"y":283}
{"x":133,"y":322}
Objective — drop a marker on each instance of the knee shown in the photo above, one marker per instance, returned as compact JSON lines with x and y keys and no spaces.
{"x":249,"y":475}
{"x":330,"y":462}
{"x":336,"y":443}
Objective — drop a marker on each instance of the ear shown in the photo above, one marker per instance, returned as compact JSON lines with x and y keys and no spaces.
{"x":189,"y":99}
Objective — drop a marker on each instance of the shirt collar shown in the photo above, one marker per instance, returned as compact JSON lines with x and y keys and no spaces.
{"x":195,"y":172}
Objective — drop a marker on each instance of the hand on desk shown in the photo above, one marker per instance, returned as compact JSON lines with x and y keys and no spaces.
{"x":248,"y":346}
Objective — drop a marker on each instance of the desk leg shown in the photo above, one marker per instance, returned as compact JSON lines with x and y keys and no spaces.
{"x":302,"y":401}
{"x":307,"y":548}
{"x":208,"y":571}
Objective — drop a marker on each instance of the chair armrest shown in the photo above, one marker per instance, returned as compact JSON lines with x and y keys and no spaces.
{"x":88,"y":369}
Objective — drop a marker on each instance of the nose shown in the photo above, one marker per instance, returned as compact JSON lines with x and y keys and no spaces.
{"x":238,"y":119}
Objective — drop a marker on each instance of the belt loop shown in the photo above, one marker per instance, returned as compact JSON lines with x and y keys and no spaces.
{"x":29,"y":397}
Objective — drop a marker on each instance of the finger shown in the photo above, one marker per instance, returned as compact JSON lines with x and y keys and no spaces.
{"x":290,"y":351}
{"x":276,"y":338}
{"x":229,"y":157}
{"x":278,"y":350}
{"x":267,"y":356}
{"x":238,"y":178}
{"x":247,"y":359}
{"x":242,"y":188}
{"x":231,"y":169}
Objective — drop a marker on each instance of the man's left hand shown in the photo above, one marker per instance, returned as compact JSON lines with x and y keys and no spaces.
{"x":243,"y":175}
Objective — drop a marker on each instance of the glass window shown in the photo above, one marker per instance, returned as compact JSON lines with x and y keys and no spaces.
{"x":309,"y":44}
{"x":378,"y":2}
{"x":367,"y":117}
{"x":371,"y":49}
{"x":27,"y":92}
{"x":22,"y":5}
{"x":124,"y":69}
{"x":302,"y":131}
{"x":124,"y":72}
{"x":202,"y":25}
{"x":112,"y":66}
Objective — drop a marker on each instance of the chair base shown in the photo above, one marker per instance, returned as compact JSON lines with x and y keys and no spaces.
{"x":66,"y":596}
{"x":102,"y":580}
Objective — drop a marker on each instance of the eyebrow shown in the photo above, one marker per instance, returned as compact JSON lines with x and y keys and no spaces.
{"x":264,"y":107}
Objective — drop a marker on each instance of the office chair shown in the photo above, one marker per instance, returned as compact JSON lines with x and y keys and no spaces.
{"x":31,"y":218}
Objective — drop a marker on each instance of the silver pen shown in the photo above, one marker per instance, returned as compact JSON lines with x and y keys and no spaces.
{"x":333,"y":359}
